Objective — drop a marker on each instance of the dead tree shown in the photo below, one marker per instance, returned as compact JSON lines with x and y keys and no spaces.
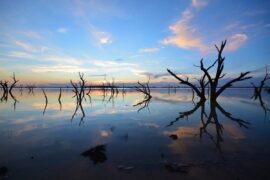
{"x":124,"y":91}
{"x":14,"y":83}
{"x":46,"y":101}
{"x":80,"y":95}
{"x":4,"y":86}
{"x":59,"y":99}
{"x":213,"y":80}
{"x":8,"y":90}
{"x":258,"y":91}
{"x":145,"y":89}
{"x":30,"y":89}
{"x":21,"y":89}
{"x":186,"y":82}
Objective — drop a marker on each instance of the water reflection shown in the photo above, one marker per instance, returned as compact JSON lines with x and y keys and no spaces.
{"x":210,"y":118}
{"x":124,"y":144}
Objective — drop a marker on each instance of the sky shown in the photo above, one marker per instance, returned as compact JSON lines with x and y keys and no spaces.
{"x":51,"y":41}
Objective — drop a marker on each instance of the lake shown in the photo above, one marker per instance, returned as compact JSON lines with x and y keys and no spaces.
{"x":171,"y":137}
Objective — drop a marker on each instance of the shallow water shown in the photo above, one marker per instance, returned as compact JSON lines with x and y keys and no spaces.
{"x":38,"y":143}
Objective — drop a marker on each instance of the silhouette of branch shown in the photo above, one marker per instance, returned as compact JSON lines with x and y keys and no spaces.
{"x":211,"y":118}
{"x":46,"y":101}
{"x":187,"y":113}
{"x":14,"y":82}
{"x":228,"y":115}
{"x":59,"y":99}
{"x":80,"y":95}
{"x":258,"y":91}
{"x":213,"y":81}
{"x":5,"y":90}
{"x":145,"y":89}
{"x":241,"y":77}
{"x":14,"y":99}
{"x":186,"y":82}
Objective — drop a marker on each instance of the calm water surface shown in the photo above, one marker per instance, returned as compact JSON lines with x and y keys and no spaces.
{"x":172,"y":138}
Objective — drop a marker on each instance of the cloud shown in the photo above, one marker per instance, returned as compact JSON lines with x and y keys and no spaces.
{"x":236,"y":41}
{"x":237,"y":25}
{"x":199,"y":3}
{"x":119,"y":59}
{"x":58,"y":68}
{"x":21,"y":55}
{"x":110,"y":67}
{"x":58,"y":58}
{"x":254,"y":12}
{"x":96,"y":9}
{"x":185,"y":36}
{"x":62,"y":30}
{"x":112,"y":64}
{"x":25,"y":46}
{"x":166,"y":75}
{"x":101,"y":37}
{"x":32,"y":34}
{"x":148,"y":50}
{"x":63,"y":59}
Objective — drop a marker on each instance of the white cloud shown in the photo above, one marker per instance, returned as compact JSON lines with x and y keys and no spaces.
{"x":59,"y":68}
{"x":148,"y":50}
{"x":184,"y":34}
{"x":32,"y":34}
{"x":199,"y":3}
{"x":63,"y":59}
{"x":101,"y":37}
{"x":57,"y":58}
{"x":236,"y":41}
{"x":62,"y":30}
{"x":25,"y":46}
{"x":112,"y":67}
{"x":21,"y":55}
{"x":112,"y":64}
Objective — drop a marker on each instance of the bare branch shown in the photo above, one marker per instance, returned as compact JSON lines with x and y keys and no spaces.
{"x":186,"y":82}
{"x":241,"y":77}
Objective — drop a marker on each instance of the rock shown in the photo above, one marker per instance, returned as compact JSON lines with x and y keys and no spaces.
{"x":3,"y":171}
{"x":96,"y":154}
{"x":173,"y":136}
{"x":175,"y":167}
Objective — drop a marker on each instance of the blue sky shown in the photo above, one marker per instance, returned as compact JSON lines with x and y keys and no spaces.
{"x":51,"y":41}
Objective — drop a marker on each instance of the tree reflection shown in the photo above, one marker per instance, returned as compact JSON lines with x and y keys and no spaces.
{"x":211,"y":118}
{"x":145,"y":89}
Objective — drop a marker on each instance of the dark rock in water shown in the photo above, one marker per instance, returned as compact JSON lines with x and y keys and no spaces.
{"x":173,"y":136}
{"x":174,"y":167}
{"x":162,"y":155}
{"x":3,"y":171}
{"x":32,"y":157}
{"x":96,"y":154}
{"x":112,"y":129}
